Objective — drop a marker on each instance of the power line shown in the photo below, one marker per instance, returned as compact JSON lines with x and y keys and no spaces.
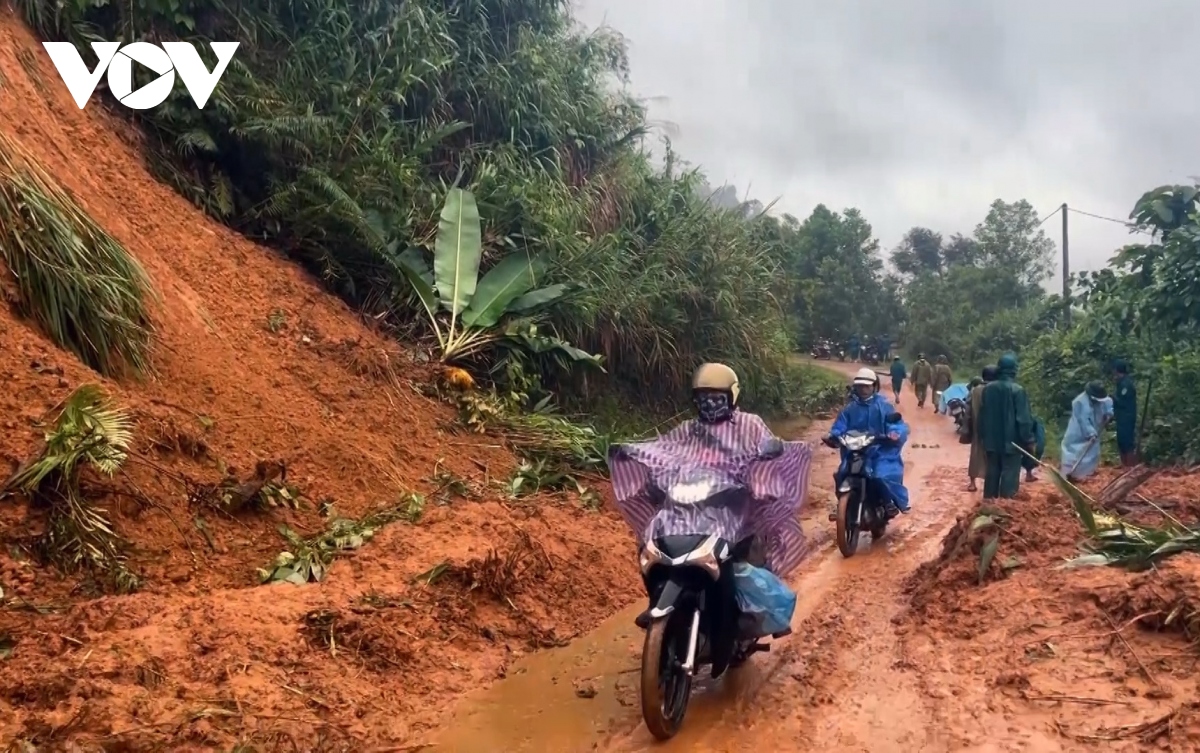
{"x":1098,"y":216}
{"x":1056,"y":211}
{"x":1126,"y":223}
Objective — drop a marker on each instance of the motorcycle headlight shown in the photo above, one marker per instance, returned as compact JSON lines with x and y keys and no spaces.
{"x":691,"y":492}
{"x":854,"y":444}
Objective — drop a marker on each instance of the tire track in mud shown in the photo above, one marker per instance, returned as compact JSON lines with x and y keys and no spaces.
{"x":840,"y":682}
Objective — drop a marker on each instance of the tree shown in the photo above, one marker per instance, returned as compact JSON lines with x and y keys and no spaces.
{"x":920,"y":252}
{"x":1011,"y":238}
{"x":961,"y":251}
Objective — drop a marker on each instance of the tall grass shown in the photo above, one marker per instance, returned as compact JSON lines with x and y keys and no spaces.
{"x":72,"y":278}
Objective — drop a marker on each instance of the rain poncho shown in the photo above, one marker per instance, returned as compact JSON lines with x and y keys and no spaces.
{"x":898,"y":373}
{"x":1081,"y":443}
{"x":1004,"y":417}
{"x":958,"y":391}
{"x":1004,"y":421}
{"x":728,"y":452}
{"x":883,"y":458}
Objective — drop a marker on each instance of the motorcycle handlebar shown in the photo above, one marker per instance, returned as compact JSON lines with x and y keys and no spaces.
{"x":831,"y":441}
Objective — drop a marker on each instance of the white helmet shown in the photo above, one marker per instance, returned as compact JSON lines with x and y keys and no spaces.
{"x":865,"y":376}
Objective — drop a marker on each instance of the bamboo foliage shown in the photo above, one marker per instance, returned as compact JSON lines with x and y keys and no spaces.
{"x":77,"y":282}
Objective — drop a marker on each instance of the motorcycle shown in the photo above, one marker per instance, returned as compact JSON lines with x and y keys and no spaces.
{"x":957,"y":408}
{"x":860,"y":505}
{"x":693,"y":543}
{"x":821,"y":351}
{"x":870,"y":355}
{"x":841,"y":354}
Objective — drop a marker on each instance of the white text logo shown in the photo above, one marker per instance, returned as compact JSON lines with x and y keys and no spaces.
{"x":166,"y":61}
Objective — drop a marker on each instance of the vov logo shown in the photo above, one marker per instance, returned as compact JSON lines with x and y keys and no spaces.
{"x":166,"y":61}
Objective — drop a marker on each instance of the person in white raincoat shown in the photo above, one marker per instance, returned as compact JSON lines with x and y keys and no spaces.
{"x":1090,"y":411}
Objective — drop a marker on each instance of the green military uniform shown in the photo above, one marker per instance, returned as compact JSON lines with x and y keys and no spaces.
{"x":1004,"y":419}
{"x":942,"y":377}
{"x":922,"y":375}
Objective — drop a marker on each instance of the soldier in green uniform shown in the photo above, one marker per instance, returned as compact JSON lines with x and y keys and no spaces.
{"x":1005,"y":420}
{"x":943,"y":377}
{"x":922,"y":376}
{"x":1125,"y":413}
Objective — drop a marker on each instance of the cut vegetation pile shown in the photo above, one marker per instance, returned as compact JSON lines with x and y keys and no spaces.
{"x":1022,"y":598}
{"x":259,"y":432}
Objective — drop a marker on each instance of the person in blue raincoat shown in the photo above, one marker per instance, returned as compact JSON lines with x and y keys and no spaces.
{"x":1081,"y":443}
{"x":868,"y":412}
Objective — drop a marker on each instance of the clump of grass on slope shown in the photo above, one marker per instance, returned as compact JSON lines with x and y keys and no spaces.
{"x":74,"y":279}
{"x":89,"y":432}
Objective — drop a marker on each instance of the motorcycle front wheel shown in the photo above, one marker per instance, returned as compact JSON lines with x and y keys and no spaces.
{"x":847,"y":530}
{"x":666,"y":688}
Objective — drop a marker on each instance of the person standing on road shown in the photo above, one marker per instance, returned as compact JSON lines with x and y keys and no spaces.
{"x":922,"y":375}
{"x":854,"y":345}
{"x":898,"y":373}
{"x":1005,"y":421}
{"x":977,"y":465}
{"x":943,"y":377}
{"x":1125,"y":414}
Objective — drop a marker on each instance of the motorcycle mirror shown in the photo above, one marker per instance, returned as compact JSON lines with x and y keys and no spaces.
{"x":895,"y":418}
{"x":771,"y":449}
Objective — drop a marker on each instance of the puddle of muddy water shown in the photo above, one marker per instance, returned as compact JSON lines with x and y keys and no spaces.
{"x":543,"y":705}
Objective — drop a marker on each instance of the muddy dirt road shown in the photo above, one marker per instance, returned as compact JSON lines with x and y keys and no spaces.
{"x":840,"y":682}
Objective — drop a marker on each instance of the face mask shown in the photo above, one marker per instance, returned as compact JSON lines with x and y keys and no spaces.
{"x":713,"y":407}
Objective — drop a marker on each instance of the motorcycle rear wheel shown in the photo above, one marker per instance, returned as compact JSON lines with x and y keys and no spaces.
{"x":847,"y":532}
{"x":666,"y":688}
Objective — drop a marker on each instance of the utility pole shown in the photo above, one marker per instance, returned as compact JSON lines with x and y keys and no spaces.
{"x":1066,"y":293}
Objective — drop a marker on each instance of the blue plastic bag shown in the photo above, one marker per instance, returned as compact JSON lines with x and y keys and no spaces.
{"x":765,"y":601}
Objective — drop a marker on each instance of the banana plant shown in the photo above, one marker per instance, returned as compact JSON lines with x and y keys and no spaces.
{"x":463,"y":309}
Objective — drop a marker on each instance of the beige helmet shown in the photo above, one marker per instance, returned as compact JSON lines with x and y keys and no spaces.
{"x":717,"y":376}
{"x":865,"y":376}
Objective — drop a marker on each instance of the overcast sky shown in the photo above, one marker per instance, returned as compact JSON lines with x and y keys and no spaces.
{"x":921,"y":112}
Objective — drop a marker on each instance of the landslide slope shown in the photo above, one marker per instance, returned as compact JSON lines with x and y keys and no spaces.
{"x":255,"y":363}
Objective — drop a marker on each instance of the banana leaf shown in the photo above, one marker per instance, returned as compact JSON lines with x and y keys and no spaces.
{"x":457,"y":252}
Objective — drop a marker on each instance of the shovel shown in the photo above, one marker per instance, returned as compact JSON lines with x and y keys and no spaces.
{"x":1086,"y":449}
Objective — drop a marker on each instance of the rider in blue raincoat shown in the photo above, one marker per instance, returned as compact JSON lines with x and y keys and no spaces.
{"x":868,"y":412}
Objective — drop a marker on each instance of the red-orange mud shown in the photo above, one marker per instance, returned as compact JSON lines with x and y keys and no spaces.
{"x":204,"y":658}
{"x":898,"y":649}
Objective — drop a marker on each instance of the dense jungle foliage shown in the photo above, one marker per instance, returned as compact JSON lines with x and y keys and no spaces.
{"x":339,"y":129}
{"x":976,"y":298}
{"x":1143,"y":308}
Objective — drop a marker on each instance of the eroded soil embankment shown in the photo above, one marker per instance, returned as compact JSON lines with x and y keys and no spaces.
{"x":255,"y":363}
